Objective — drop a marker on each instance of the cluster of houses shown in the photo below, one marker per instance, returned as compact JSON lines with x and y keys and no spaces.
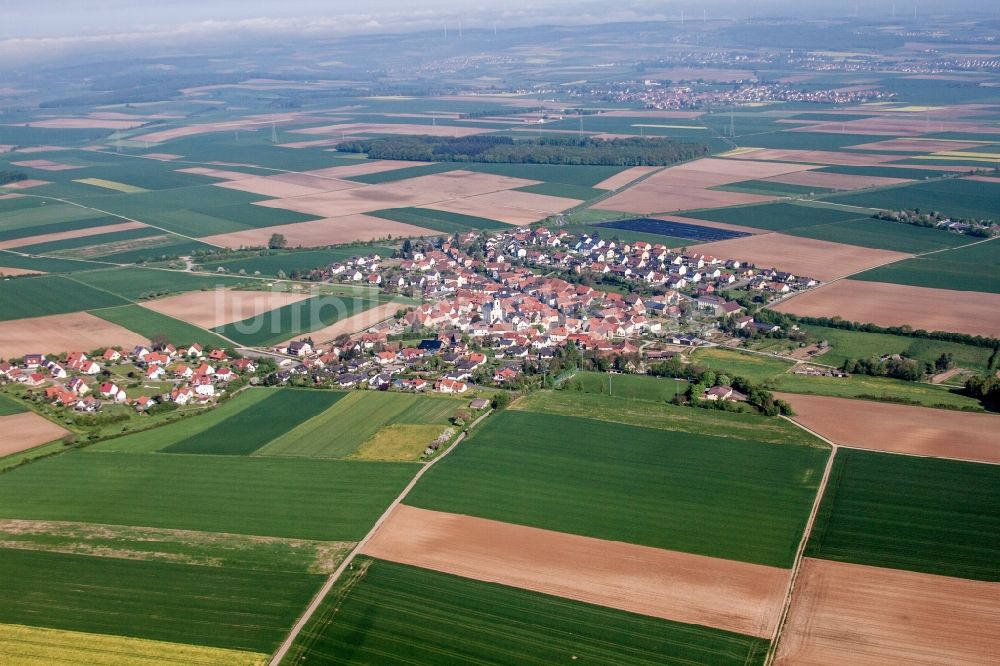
{"x":73,"y":382}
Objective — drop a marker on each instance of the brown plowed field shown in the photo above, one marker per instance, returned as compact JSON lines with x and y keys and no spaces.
{"x":26,"y":431}
{"x":355,"y":323}
{"x":886,"y":304}
{"x":710,"y":223}
{"x":218,"y":173}
{"x":815,"y":157}
{"x":917,"y":145}
{"x":866,"y":616}
{"x":46,"y":165}
{"x":836,"y":181}
{"x":393,"y":128}
{"x":808,"y":257}
{"x":11,"y":272}
{"x":53,"y":334}
{"x":364,"y":167}
{"x":984,"y":179}
{"x":287,"y":185}
{"x":515,"y":216}
{"x":734,"y":596}
{"x":540,"y":203}
{"x":24,"y":184}
{"x":882,"y":426}
{"x":624,"y":178}
{"x":209,"y":309}
{"x":86,"y":123}
{"x":896,"y":126}
{"x":318,"y":233}
{"x":76,"y":233}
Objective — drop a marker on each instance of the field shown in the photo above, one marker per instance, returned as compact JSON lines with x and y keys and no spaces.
{"x":724,"y":594}
{"x":50,"y":295}
{"x":320,"y":233}
{"x":883,"y":235}
{"x":330,"y":500}
{"x":44,"y":264}
{"x":921,"y":514}
{"x":288,"y":262}
{"x":79,"y":245}
{"x":249,"y":430}
{"x":877,"y":426}
{"x":846,"y":344}
{"x":355,"y":323}
{"x":865,"y":387}
{"x":32,"y":646}
{"x":438,"y":220}
{"x":897,"y":305}
{"x":673,"y":228}
{"x":24,"y":430}
{"x":659,"y":488}
{"x":386,"y":612}
{"x":753,"y":367}
{"x":79,"y":331}
{"x":9,"y":406}
{"x":339,"y":431}
{"x":634,"y":387}
{"x":210,"y":606}
{"x":216,"y":308}
{"x":956,"y":197}
{"x":970,"y":268}
{"x":777,"y":216}
{"x":150,"y":324}
{"x":884,"y":616}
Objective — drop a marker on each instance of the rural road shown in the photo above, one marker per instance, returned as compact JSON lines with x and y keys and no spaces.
{"x":314,"y":605}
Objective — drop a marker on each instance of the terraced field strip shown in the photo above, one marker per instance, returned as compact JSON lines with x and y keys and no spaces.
{"x":382,"y":612}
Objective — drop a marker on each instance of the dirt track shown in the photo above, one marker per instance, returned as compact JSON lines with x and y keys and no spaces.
{"x":26,"y":431}
{"x":881,"y":426}
{"x":735,"y":596}
{"x":866,"y":616}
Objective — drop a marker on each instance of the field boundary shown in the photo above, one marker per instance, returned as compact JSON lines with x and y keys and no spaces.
{"x":317,"y":600}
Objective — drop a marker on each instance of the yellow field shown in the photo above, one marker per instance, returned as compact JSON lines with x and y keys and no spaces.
{"x":739,"y":151}
{"x":111,"y":185}
{"x":694,"y":127}
{"x":959,"y":157}
{"x":33,"y":646}
{"x":399,"y":442}
{"x":918,"y":109}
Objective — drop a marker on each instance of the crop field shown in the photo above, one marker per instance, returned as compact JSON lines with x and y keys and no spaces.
{"x":11,"y":232}
{"x":49,"y":295}
{"x":769,"y":187}
{"x":969,"y":268}
{"x":658,"y":488}
{"x":404,"y":173}
{"x":9,"y":406}
{"x":67,"y":244}
{"x":902,"y":512}
{"x":308,"y":499}
{"x":672,"y":228}
{"x":210,"y":606}
{"x":298,"y":318}
{"x":580,"y":175}
{"x":439,"y":220}
{"x":138,"y":283}
{"x":883,"y":235}
{"x":247,"y":431}
{"x":775,"y":216}
{"x":753,"y":367}
{"x":858,"y":344}
{"x":44,"y":264}
{"x":875,"y":388}
{"x":342,"y":429}
{"x":960,"y":198}
{"x":386,"y":612}
{"x":288,"y":262}
{"x":170,"y":248}
{"x":565,"y":190}
{"x":633,"y":387}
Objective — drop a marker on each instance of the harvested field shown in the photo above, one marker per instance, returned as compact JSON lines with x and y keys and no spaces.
{"x":392,"y":128}
{"x":685,"y":187}
{"x":870,"y":616}
{"x":24,"y":184}
{"x":86,"y":123}
{"x":835,"y":181}
{"x":13,"y":272}
{"x":542,"y":204}
{"x":917,"y":145}
{"x":162,"y":157}
{"x":25,"y":431}
{"x":653,"y":113}
{"x":62,"y":332}
{"x":74,"y":233}
{"x":45,"y":165}
{"x":515,"y":216}
{"x":355,"y":323}
{"x":364,"y":167}
{"x":818,"y":259}
{"x":624,"y":178}
{"x":217,"y":173}
{"x":887,"y":304}
{"x":287,"y":185}
{"x":318,"y":233}
{"x":813,"y":157}
{"x":881,"y":426}
{"x":984,"y":179}
{"x":251,"y":122}
{"x":739,"y":597}
{"x":896,"y":126}
{"x":217,"y":307}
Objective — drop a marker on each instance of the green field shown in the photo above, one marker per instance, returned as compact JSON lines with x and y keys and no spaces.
{"x":735,"y":499}
{"x":137,"y":283}
{"x":858,"y":344}
{"x":565,"y":190}
{"x":10,"y":406}
{"x":307,"y":499}
{"x":341,"y":429}
{"x":170,"y":248}
{"x":774,"y":216}
{"x":151,"y":325}
{"x":968,"y":268}
{"x":770,"y":188}
{"x":306,"y":260}
{"x":44,"y":264}
{"x":297,"y":318}
{"x":583,"y":175}
{"x":67,"y":244}
{"x":404,"y":173}
{"x":954,"y":196}
{"x":247,"y":431}
{"x":439,"y":220}
{"x":230,"y":608}
{"x":633,"y":387}
{"x":883,"y":235}
{"x":390,"y":613}
{"x":863,"y":386}
{"x":905,"y":512}
{"x":50,"y":295}
{"x":753,"y":367}
{"x":10,"y":232}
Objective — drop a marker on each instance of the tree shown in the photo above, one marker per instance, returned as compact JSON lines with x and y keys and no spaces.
{"x":501,"y":400}
{"x":277,"y":242}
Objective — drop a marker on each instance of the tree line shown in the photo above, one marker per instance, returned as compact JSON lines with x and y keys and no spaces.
{"x":7,"y":177}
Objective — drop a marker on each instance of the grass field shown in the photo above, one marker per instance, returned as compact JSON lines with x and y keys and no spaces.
{"x":208,"y":606}
{"x":297,"y":318}
{"x":247,"y":431}
{"x":44,"y":264}
{"x":775,"y":216}
{"x":955,"y":197}
{"x":634,"y":387}
{"x":883,"y":235}
{"x":565,"y":190}
{"x":729,"y":498}
{"x":50,"y":295}
{"x":905,"y":512}
{"x":768,"y":187}
{"x":392,"y":613}
{"x":439,"y":220}
{"x":753,"y":367}
{"x":968,"y":268}
{"x":34,"y":646}
{"x":339,"y":431}
{"x":288,"y":262}
{"x":169,"y":248}
{"x":405,"y":173}
{"x":306,"y":499}
{"x":862,"y":386}
{"x":858,"y":344}
{"x":137,"y":283}
{"x":10,"y":406}
{"x":152,"y":324}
